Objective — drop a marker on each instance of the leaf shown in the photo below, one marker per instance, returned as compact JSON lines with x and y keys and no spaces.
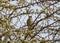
{"x":29,"y":32}
{"x":24,"y":41}
{"x":21,"y":2}
{"x":12,"y":7}
{"x":4,"y":1}
{"x":12,"y":27}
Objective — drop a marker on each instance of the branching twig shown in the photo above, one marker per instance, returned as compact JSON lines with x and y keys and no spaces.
{"x":42,"y":29}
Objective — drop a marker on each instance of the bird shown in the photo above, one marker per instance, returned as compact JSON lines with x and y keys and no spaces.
{"x":29,"y":22}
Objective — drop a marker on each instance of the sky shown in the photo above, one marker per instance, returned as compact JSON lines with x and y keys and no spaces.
{"x":23,"y":18}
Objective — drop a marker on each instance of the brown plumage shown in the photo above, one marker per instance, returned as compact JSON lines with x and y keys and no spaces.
{"x":29,"y":22}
